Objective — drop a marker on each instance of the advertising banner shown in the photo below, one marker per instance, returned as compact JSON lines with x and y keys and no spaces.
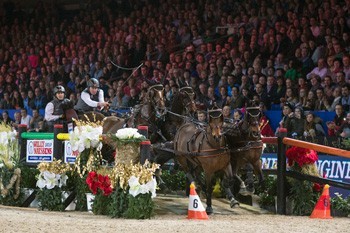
{"x":69,"y":155}
{"x":331,"y":167}
{"x":39,"y":151}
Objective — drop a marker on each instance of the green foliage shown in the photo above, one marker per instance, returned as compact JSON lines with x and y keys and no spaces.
{"x":101,"y":203}
{"x":174,"y":181}
{"x":28,"y":175}
{"x":118,"y":204}
{"x":341,"y":204}
{"x":50,"y":199}
{"x":140,"y":207}
{"x":346,"y":143}
{"x":81,"y":188}
{"x":268,"y":193}
{"x":303,"y":196}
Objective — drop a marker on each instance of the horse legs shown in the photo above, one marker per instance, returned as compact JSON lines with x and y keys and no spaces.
{"x":243,"y":190}
{"x":228,"y":183}
{"x":258,"y":171}
{"x":209,"y":190}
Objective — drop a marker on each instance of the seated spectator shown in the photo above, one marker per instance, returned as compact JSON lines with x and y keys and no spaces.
{"x":17,"y":120}
{"x":226,"y":112}
{"x":39,"y":100}
{"x":5,"y":103}
{"x":264,"y":123}
{"x":237,"y":116}
{"x":5,"y":118}
{"x":134,"y":98}
{"x":120,"y":100}
{"x":34,"y":122}
{"x":339,"y":118}
{"x":25,"y":118}
{"x":344,"y":130}
{"x":313,"y":127}
{"x":295,"y":123}
{"x":336,"y":96}
{"x":321,"y":70}
{"x":345,"y":97}
{"x":201,"y":116}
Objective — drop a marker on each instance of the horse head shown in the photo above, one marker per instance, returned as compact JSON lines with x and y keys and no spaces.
{"x":188,"y":96}
{"x":68,"y":109}
{"x":251,"y":122}
{"x":215,"y":123}
{"x":156,"y":98}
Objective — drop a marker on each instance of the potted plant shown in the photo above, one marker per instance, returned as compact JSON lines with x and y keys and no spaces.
{"x":127,"y":143}
{"x":51,"y":182}
{"x":304,"y":194}
{"x":99,"y":184}
{"x":86,"y":139}
{"x":340,"y":206}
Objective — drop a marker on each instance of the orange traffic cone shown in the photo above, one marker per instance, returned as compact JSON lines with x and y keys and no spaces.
{"x":195,"y":207}
{"x":323,"y":205}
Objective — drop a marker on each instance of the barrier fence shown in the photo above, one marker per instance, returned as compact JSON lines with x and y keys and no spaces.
{"x":282,"y":172}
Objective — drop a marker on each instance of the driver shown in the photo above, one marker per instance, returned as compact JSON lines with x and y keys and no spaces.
{"x":92,"y":98}
{"x":53,"y":110}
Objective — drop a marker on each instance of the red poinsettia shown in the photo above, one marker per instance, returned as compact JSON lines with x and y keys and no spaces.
{"x":92,"y":181}
{"x":301,"y":156}
{"x":97,"y":181}
{"x":105,"y":185}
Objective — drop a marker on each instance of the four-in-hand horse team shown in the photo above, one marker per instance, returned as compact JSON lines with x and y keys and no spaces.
{"x":216,"y":147}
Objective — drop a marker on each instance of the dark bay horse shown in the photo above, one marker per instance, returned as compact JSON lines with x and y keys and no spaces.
{"x":182,"y":108}
{"x":244,"y":141}
{"x":203,"y":149}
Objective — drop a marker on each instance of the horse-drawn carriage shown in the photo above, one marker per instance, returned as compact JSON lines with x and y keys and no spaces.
{"x":217,"y":146}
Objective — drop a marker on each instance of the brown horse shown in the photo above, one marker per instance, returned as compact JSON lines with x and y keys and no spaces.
{"x":203,"y":149}
{"x":244,"y":141}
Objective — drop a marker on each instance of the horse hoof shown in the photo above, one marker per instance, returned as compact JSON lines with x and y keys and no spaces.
{"x":244,"y":192}
{"x":234,"y":203}
{"x":209,"y":210}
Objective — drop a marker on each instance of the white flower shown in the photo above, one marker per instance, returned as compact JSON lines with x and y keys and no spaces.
{"x":134,"y":185}
{"x":151,"y":186}
{"x":135,"y":188}
{"x":84,"y":137}
{"x":128,"y":133}
{"x":63,"y":180}
{"x":51,"y":179}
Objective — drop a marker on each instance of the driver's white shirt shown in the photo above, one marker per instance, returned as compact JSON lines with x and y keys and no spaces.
{"x":87,"y":99}
{"x":49,"y":113}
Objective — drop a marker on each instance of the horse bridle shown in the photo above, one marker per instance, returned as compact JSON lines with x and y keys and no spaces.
{"x":188,"y":91}
{"x":159,"y":88}
{"x":250,"y":114}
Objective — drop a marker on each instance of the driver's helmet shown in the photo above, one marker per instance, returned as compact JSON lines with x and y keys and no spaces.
{"x":93,"y":83}
{"x":59,"y":88}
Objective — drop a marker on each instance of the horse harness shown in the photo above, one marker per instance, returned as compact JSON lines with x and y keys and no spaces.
{"x":200,"y":130}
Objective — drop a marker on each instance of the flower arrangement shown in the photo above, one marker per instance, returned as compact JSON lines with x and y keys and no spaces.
{"x":125,"y":190}
{"x":86,"y":139}
{"x":127,"y":143}
{"x":303,"y":193}
{"x":136,"y":183}
{"x":100,"y":185}
{"x":50,"y":181}
{"x":10,"y":173}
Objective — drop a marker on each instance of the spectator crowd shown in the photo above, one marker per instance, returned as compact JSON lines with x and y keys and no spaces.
{"x":291,"y":53}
